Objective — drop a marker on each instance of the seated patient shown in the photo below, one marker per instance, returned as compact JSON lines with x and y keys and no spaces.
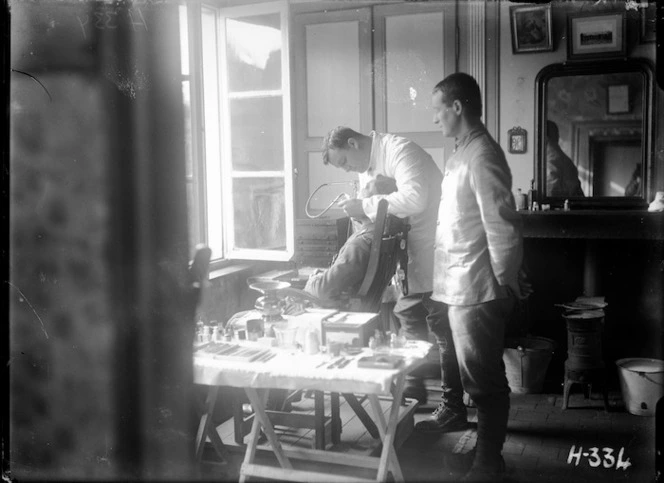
{"x":343,"y":279}
{"x":562,"y":175}
{"x":634,"y":186}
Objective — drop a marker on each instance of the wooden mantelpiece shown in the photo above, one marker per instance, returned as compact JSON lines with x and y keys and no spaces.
{"x":594,"y":224}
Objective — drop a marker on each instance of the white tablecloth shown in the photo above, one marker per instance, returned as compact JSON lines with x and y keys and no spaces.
{"x":295,"y":370}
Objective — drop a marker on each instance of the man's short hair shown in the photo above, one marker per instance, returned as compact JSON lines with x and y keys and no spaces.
{"x":337,"y":138}
{"x":552,"y":133}
{"x":462,"y":87}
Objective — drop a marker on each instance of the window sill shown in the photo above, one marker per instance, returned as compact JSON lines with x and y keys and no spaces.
{"x":228,"y":270}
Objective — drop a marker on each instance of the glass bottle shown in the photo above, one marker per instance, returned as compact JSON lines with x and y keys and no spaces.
{"x":532,"y":194}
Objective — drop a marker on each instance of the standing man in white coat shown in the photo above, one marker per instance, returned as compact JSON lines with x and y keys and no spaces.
{"x":418,"y":181}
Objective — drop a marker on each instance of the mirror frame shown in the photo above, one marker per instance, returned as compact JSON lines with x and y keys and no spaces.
{"x":640,"y":66}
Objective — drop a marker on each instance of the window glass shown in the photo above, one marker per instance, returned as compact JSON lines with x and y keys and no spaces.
{"x":253,"y":46}
{"x":211,"y":152}
{"x":238,"y":165}
{"x":260,"y":213}
{"x":194,"y":219}
{"x":257,"y":137}
{"x":186,"y":101}
{"x":184,"y":40}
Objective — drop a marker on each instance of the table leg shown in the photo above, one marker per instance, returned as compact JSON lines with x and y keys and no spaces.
{"x":388,"y":456}
{"x":207,"y":429}
{"x":378,"y":414}
{"x":336,"y":418}
{"x":319,"y":415}
{"x":239,"y":430}
{"x":254,"y":434}
{"x":262,"y":419}
{"x":362,"y":414}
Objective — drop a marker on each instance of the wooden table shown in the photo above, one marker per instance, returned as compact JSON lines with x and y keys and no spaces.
{"x":295,"y":371}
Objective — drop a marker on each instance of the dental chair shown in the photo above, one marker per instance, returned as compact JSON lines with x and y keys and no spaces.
{"x":388,"y":260}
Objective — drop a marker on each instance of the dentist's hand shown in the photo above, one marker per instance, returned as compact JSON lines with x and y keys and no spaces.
{"x":352,"y":208}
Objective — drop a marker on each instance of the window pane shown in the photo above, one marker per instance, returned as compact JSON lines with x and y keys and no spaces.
{"x":254,"y":53}
{"x":260,"y":213}
{"x":186,"y":104}
{"x":257,"y":136}
{"x":194,"y":219}
{"x":184,"y":40}
{"x":413,"y":65}
{"x":212,"y":142}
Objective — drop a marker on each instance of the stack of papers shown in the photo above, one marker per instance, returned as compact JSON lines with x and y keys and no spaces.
{"x":585,"y":303}
{"x":595,"y":302}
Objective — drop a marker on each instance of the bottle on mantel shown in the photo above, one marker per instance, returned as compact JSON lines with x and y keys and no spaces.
{"x":521,"y":200}
{"x":532,"y":194}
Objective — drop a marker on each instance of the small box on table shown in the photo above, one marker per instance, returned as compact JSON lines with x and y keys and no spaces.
{"x":352,"y":328}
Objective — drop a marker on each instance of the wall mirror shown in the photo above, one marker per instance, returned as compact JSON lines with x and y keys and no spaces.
{"x":595,"y":134}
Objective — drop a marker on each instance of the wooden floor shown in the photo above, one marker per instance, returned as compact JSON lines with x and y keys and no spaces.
{"x":540,"y":437}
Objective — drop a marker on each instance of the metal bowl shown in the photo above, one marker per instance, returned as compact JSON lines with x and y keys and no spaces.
{"x":268,"y":286}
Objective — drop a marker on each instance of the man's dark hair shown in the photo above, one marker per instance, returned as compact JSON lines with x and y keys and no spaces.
{"x":337,"y":138}
{"x":552,"y":133}
{"x":464,"y":88}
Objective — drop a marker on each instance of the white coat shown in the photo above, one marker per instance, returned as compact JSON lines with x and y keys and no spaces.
{"x":418,"y":193}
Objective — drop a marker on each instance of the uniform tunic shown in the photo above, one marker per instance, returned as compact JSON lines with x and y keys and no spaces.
{"x":479,"y":246}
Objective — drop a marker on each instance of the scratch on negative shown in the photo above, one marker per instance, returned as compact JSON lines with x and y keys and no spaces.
{"x":33,"y":309}
{"x":37,"y":81}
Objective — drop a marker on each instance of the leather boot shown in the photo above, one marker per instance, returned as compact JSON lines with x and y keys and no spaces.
{"x":485,"y":473}
{"x":492,"y":416}
{"x":444,"y":420}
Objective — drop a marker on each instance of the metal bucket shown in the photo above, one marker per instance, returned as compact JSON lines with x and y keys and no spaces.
{"x":641,"y":383}
{"x":526,"y":362}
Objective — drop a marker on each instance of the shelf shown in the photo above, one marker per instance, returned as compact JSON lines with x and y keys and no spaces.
{"x":594,"y":224}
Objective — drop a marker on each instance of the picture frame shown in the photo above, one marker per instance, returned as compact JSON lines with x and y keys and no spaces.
{"x":531,"y":28}
{"x":596,"y":35}
{"x":647,"y":20}
{"x":517,"y":139}
{"x":617,"y":99}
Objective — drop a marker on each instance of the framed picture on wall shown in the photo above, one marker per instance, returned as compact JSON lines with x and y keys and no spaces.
{"x":531,"y":28}
{"x":617,"y":99}
{"x":596,"y":35}
{"x":518,"y":140}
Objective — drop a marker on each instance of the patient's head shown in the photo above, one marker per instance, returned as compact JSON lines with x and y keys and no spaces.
{"x":380,"y":185}
{"x":552,"y":133}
